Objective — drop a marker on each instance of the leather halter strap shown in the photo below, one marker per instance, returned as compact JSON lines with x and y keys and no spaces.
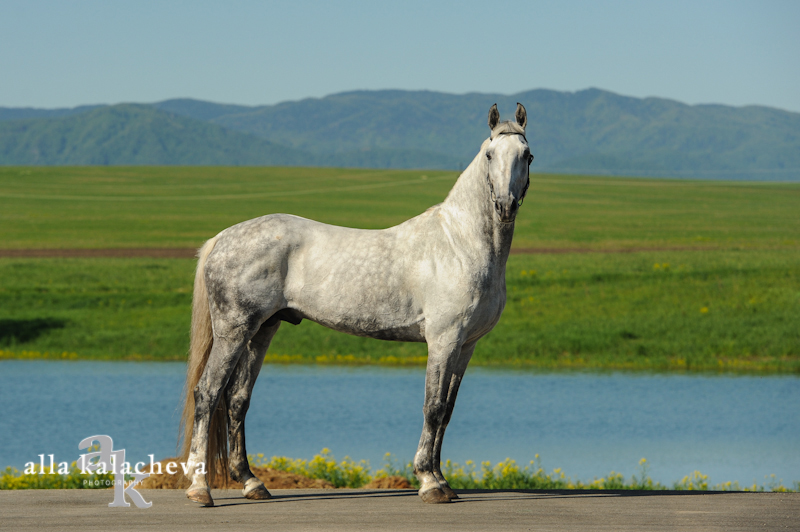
{"x":494,"y":136}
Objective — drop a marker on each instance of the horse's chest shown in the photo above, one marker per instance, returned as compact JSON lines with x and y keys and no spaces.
{"x":487,"y":300}
{"x":491,"y":306}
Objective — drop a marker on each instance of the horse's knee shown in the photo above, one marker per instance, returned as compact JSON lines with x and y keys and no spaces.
{"x":238,"y":404}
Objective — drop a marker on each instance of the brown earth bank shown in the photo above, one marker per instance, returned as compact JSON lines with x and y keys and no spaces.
{"x":121,"y":253}
{"x":272,"y":479}
{"x":190,"y":253}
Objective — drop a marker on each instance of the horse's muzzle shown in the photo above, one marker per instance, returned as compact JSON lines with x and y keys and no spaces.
{"x":507,"y":209}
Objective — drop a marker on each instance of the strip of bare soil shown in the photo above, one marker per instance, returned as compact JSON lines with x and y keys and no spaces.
{"x":271,"y":478}
{"x":190,"y":253}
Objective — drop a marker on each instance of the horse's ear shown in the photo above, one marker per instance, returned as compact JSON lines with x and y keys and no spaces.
{"x":494,"y":116}
{"x":521,"y":115}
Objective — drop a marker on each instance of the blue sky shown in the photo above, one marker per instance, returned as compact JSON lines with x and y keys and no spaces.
{"x":62,"y":54}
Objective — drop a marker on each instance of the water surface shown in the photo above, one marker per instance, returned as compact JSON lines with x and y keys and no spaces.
{"x":728,"y":427}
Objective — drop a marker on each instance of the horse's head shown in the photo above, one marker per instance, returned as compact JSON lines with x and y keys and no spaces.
{"x":508,"y":160}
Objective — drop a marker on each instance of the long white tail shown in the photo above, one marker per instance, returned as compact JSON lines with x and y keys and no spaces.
{"x":202,"y":340}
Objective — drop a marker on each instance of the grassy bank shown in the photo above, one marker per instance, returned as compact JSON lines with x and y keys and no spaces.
{"x":708,"y":311}
{"x":722,"y":295}
{"x":351,"y":474}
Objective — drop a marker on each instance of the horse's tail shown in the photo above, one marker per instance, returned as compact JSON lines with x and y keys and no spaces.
{"x":202,"y":339}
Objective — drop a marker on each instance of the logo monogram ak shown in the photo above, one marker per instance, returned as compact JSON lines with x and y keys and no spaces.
{"x":107,"y":456}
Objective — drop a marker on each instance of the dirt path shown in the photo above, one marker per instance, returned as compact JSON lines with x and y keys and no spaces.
{"x":190,"y":253}
{"x":560,"y":251}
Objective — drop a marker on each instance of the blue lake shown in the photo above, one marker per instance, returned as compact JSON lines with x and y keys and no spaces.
{"x":728,"y":427}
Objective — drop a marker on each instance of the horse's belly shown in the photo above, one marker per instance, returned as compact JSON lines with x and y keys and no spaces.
{"x":413,"y":332}
{"x":374,"y":314}
{"x":357,"y":286}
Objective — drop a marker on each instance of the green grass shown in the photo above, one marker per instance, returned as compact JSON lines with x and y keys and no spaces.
{"x":97,"y":207}
{"x":718,"y":311}
{"x":734,"y":306}
{"x":96,"y":308}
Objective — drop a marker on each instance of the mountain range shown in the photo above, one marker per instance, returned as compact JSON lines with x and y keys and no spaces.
{"x":588,"y":132}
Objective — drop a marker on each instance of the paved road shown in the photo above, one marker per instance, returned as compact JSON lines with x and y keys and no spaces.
{"x":87,"y":510}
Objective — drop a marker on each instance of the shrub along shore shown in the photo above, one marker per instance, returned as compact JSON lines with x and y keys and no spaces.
{"x":350,"y":474}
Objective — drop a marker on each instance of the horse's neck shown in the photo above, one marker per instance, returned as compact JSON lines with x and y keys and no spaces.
{"x":471,"y":212}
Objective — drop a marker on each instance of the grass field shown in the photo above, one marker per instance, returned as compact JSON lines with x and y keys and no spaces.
{"x":713,"y":284}
{"x":100,"y":207}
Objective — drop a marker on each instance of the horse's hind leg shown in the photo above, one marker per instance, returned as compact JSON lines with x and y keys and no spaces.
{"x":452,"y":392}
{"x":221,"y":363}
{"x":238,"y":393}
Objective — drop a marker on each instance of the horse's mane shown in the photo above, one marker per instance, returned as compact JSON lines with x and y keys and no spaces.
{"x":507,"y":128}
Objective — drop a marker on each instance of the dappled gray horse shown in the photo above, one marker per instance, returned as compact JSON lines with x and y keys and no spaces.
{"x":437,"y":278}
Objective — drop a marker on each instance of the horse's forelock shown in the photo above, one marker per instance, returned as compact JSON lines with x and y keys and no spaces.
{"x":507,"y":128}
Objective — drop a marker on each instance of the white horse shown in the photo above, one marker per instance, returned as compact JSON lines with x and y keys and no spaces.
{"x":437,"y":278}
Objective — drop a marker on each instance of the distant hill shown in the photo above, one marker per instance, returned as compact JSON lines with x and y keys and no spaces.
{"x":21,"y":113}
{"x":130,"y":134}
{"x":590,"y":131}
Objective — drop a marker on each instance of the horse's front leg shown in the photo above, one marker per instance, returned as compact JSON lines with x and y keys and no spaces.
{"x":442,"y":358}
{"x":452,"y":392}
{"x":238,"y":393}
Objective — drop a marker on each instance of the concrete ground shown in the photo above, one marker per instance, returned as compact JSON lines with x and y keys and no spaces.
{"x":86,"y":510}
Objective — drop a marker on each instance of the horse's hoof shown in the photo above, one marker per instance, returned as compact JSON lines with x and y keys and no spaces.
{"x":203,"y":496}
{"x":434,"y":496}
{"x":449,"y":493}
{"x":258,"y":493}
